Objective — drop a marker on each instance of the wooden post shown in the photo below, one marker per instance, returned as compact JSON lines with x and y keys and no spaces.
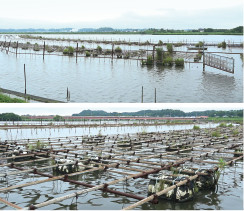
{"x":203,"y":59}
{"x":25,"y":78}
{"x":142,"y":94}
{"x":44,"y":50}
{"x":153,"y":52}
{"x":155,"y":95}
{"x":67,"y":95}
{"x":17,"y":48}
{"x":76,"y":51}
{"x":9,"y":46}
{"x":112,"y":52}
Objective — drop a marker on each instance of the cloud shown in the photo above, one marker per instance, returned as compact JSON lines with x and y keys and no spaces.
{"x":160,"y":18}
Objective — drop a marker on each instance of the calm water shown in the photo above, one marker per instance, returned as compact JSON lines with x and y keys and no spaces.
{"x":100,"y":80}
{"x":14,"y":134}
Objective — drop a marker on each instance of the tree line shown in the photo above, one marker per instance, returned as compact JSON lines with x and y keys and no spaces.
{"x":164,"y":113}
{"x":150,"y":113}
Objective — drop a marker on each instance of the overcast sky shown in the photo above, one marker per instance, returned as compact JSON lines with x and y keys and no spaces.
{"x":69,"y":109}
{"x":182,"y":14}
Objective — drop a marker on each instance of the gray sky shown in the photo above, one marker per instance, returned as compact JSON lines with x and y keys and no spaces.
{"x":69,"y":109}
{"x":121,"y":14}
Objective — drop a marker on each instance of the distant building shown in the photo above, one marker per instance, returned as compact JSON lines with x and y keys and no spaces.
{"x":202,"y":117}
{"x":201,"y":30}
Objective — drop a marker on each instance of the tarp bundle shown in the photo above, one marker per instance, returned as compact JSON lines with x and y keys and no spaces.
{"x":70,"y":167}
{"x":207,"y":179}
{"x":179,"y":194}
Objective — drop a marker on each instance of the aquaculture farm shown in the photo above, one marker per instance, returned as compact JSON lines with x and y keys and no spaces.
{"x":188,"y":167}
{"x":122,"y":68}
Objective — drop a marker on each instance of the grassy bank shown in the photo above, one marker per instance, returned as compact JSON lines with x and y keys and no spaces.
{"x":7,"y":99}
{"x":238,"y":120}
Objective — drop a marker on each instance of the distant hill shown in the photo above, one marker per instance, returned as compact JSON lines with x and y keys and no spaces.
{"x":236,"y":30}
{"x":163,"y":113}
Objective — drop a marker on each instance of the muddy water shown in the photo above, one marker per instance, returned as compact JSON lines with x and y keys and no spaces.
{"x":100,"y":80}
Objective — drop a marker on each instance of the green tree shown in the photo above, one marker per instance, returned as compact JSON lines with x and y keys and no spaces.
{"x":10,"y":117}
{"x":58,"y":118}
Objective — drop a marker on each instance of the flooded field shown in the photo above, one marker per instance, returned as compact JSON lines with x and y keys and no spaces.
{"x":13,"y":134}
{"x":128,"y":162}
{"x":101,"y":80}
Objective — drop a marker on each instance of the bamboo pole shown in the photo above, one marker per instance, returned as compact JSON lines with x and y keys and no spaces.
{"x":10,"y":204}
{"x":55,"y":200}
{"x":23,"y":162}
{"x":31,"y":183}
{"x":51,"y":178}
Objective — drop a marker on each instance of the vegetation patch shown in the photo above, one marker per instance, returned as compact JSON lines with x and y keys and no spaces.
{"x":222,"y":124}
{"x":195,"y":127}
{"x":99,"y":49}
{"x":36,"y":47}
{"x":149,"y":60}
{"x":179,"y":62}
{"x":7,"y":99}
{"x":69,"y":51}
{"x":159,"y":54}
{"x":199,"y":44}
{"x":168,"y":61}
{"x":222,"y":45}
{"x":216,"y":134}
{"x":88,"y":54}
{"x":198,"y":57}
{"x":118,"y":50}
{"x":170,"y":48}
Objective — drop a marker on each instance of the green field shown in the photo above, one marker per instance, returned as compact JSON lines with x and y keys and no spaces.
{"x":238,"y":120}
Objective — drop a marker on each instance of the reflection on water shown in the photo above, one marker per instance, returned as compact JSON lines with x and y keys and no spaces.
{"x":215,"y":82}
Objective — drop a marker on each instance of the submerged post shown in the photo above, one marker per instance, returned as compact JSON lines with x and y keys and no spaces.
{"x":76,"y":51}
{"x":25,"y":78}
{"x":44,"y":50}
{"x":142,"y":94}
